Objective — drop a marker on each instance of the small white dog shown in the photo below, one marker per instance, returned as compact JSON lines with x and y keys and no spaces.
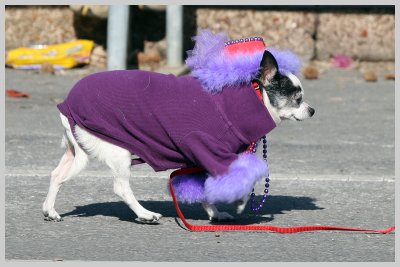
{"x":282,"y":97}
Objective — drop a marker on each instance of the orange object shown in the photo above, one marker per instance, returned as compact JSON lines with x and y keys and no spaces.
{"x":364,"y":33}
{"x":15,"y":93}
{"x":390,"y":76}
{"x":310,"y":73}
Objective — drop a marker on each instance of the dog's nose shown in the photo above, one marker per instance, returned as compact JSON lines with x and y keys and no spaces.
{"x":311,"y":111}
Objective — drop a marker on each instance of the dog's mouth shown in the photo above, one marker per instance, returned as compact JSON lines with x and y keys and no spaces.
{"x":296,"y":119}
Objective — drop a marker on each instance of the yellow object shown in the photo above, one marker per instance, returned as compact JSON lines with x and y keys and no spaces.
{"x":61,"y":56}
{"x":85,"y":10}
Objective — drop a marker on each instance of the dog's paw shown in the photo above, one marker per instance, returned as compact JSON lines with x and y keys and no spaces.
{"x":52,"y":216}
{"x":222,"y":217}
{"x":149,"y":217}
{"x":240,"y":205}
{"x":56,"y":219}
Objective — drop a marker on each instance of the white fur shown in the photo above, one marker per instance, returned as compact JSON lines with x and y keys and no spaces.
{"x":74,"y":161}
{"x":77,"y":154}
{"x":272,"y":111}
{"x":302,"y":112}
{"x":286,"y":112}
{"x":214,"y":214}
{"x":295,"y":80}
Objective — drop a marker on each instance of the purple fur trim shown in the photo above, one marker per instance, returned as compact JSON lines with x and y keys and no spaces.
{"x":225,"y":71}
{"x":287,"y":60}
{"x":208,"y":45}
{"x":238,"y":182}
{"x":216,"y":70}
{"x":189,"y":188}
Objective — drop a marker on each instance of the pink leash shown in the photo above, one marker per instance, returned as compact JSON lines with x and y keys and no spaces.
{"x":229,"y":227}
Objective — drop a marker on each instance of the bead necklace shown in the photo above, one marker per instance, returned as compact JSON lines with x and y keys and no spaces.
{"x":253,"y":149}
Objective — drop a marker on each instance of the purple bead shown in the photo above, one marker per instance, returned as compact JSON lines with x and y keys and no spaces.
{"x":264,"y":198}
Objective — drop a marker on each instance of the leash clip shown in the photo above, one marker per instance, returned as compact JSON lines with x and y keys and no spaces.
{"x":256,"y":86}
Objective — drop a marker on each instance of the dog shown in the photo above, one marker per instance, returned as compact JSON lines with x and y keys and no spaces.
{"x":282,"y":96}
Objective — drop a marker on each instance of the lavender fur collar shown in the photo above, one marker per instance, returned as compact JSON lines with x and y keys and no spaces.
{"x":216,"y":70}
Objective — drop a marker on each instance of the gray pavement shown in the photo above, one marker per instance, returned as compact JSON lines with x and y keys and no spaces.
{"x":334,"y":169}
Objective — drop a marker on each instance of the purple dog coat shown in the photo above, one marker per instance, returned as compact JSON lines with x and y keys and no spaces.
{"x":168,"y":122}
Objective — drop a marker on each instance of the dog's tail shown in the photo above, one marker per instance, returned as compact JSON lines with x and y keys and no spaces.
{"x":64,"y":142}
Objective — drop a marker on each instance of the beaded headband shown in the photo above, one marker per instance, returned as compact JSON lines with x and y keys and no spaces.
{"x":244,"y":45}
{"x":209,"y":63}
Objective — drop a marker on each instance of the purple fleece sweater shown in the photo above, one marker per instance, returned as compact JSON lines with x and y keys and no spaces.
{"x":168,"y":122}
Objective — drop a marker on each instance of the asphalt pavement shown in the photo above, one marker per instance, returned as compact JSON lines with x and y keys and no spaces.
{"x":336,"y":168}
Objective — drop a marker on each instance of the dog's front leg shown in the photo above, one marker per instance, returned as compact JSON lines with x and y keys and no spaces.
{"x":241,"y":204}
{"x":215,"y":215}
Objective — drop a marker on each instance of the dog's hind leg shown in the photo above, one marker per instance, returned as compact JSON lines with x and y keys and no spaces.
{"x":215,"y":215}
{"x":72,"y":162}
{"x":120,"y":166}
{"x":119,"y":160}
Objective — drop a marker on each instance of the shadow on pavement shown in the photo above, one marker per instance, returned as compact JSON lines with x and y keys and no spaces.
{"x":274,"y":205}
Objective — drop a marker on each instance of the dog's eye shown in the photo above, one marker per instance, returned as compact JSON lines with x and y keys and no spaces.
{"x":298,"y":98}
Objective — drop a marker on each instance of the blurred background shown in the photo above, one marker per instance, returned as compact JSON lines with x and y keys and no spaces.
{"x":324,"y":36}
{"x":337,"y":168}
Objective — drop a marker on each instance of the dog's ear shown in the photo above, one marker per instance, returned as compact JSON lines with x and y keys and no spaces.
{"x":268,"y":67}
